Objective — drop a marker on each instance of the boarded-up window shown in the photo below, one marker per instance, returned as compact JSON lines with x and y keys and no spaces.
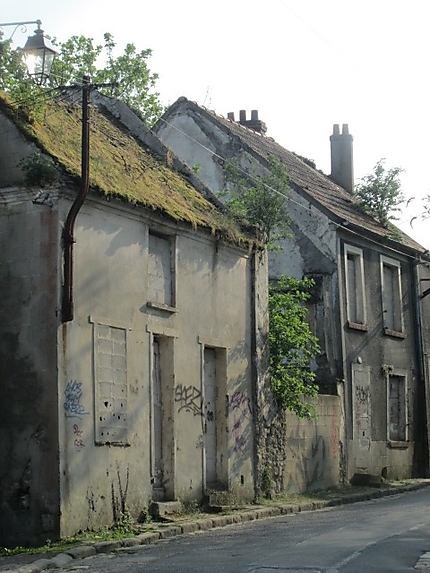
{"x":355,"y":289}
{"x":391,"y":295}
{"x":110,"y":361}
{"x":397,"y":408}
{"x":160,"y":270}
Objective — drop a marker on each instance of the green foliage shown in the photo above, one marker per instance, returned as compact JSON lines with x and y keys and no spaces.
{"x":292,"y":346}
{"x":39,"y":170}
{"x":134,"y":81}
{"x":267,"y":484}
{"x":14,"y":80}
{"x":260,"y":201}
{"x":380,"y":193}
{"x":79,"y":55}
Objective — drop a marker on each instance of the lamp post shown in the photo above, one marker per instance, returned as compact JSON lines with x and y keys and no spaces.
{"x":38,"y":56}
{"x":38,"y":52}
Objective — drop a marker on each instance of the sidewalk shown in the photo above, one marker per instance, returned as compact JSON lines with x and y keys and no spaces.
{"x":184,"y":524}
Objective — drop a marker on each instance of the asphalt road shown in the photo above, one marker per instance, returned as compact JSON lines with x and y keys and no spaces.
{"x":385,"y":535}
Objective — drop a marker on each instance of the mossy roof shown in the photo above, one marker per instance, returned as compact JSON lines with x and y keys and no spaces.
{"x":121,"y":167}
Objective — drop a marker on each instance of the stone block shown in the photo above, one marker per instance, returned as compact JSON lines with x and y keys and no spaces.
{"x":149,"y":537}
{"x":130,"y":542}
{"x":204,"y":524}
{"x":189,"y":527}
{"x":162,"y":509}
{"x":107,"y":546}
{"x":171,"y":531}
{"x":61,"y":560}
{"x":81,"y":551}
{"x":219,"y":521}
{"x":41,"y":565}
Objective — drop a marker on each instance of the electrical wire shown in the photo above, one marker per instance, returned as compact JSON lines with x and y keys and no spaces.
{"x":276,"y":191}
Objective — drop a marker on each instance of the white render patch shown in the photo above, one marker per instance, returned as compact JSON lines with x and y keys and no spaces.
{"x":159,"y":269}
{"x":110,"y":360}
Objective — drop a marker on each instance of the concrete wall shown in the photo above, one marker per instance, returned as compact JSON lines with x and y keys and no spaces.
{"x":29,"y":492}
{"x":371,"y":355}
{"x":311,"y":250}
{"x":13,"y":148}
{"x":314,"y":458}
{"x":213,"y":308}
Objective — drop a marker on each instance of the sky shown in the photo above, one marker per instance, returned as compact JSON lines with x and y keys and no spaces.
{"x":304,"y":64}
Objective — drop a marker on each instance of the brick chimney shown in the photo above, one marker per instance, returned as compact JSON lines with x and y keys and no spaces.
{"x":342,"y":164}
{"x":254,"y":123}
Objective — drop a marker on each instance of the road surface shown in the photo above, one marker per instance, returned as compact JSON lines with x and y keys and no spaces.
{"x":384,"y":535}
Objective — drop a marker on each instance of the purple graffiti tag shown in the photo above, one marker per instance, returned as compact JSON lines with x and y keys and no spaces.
{"x":239,"y":400}
{"x":78,"y":442}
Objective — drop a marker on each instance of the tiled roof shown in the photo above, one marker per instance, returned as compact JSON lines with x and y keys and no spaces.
{"x":311,"y":183}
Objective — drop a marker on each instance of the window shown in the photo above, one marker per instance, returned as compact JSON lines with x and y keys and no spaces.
{"x":396,"y":407}
{"x":391,"y":296}
{"x":110,"y":368}
{"x":161,"y":271}
{"x":355,"y":290}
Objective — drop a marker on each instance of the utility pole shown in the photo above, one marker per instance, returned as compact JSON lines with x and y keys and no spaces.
{"x":67,"y":313}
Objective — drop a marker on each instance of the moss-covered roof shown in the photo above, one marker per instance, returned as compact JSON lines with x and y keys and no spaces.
{"x":121,"y":167}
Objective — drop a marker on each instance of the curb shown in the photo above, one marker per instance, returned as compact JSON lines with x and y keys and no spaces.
{"x":135,"y":544}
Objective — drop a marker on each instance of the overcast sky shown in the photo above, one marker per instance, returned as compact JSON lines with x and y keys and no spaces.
{"x":304,"y":64}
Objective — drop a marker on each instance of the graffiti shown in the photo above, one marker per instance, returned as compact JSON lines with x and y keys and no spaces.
{"x":361,"y":394}
{"x":72,"y":400}
{"x":78,"y":441}
{"x":240,"y":407}
{"x":239,"y":400}
{"x":189,"y":398}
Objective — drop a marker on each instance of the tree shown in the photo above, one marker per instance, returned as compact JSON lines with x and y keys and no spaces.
{"x":79,"y":55}
{"x":260,"y":200}
{"x":380,"y":193}
{"x":292,"y":346}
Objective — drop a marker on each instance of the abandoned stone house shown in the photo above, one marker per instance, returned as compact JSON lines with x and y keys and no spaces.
{"x":148,"y":393}
{"x":366,"y":309}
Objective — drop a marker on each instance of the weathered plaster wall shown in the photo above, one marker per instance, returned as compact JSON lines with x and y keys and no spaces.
{"x":29,"y":492}
{"x":371,"y":352}
{"x":311,"y":250}
{"x":13,"y":148}
{"x":213,"y":308}
{"x":423,"y":280}
{"x":314,"y":457}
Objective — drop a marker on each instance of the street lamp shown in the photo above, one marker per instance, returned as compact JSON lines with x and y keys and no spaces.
{"x":38,"y":52}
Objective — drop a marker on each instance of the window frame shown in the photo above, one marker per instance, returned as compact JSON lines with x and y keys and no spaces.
{"x":357,"y":253}
{"x":170,"y":308}
{"x":98,"y":440}
{"x":394,"y":264}
{"x":399,"y":373}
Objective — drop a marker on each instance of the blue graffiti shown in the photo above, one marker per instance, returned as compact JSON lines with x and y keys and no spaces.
{"x":72,"y":400}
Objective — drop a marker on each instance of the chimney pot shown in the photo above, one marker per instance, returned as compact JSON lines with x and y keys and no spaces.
{"x":342,"y":165}
{"x":230,"y":115}
{"x":254,"y":115}
{"x":242,"y":115}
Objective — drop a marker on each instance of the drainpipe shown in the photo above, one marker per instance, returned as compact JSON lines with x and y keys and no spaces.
{"x":69,"y":227}
{"x":254,"y":366}
{"x":420,"y":350}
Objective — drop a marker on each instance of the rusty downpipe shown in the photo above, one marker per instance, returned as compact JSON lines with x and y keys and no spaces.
{"x":69,"y":227}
